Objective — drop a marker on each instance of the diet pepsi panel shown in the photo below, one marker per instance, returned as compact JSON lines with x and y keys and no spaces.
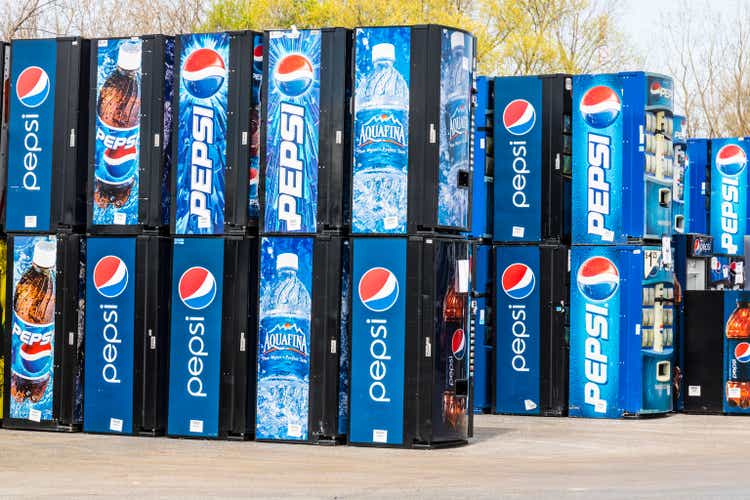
{"x":45,"y":331}
{"x":518,"y":345}
{"x":196,"y":334}
{"x":378,"y":338}
{"x":518,"y":159}
{"x":728,"y":209}
{"x":110,"y":335}
{"x":209,"y":189}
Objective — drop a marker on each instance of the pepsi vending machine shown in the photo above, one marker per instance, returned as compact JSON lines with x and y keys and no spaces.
{"x":129,"y":134}
{"x":4,"y":96}
{"x":303,"y":353}
{"x":127,"y":334}
{"x":47,"y":133}
{"x":305,"y":121}
{"x":532,"y":148}
{"x":211,"y":131}
{"x":622,"y":160}
{"x":412,"y":116}
{"x":621,"y":335}
{"x":44,"y":332}
{"x":212,"y":337}
{"x":697,"y":190}
{"x":531,"y":351}
{"x":410,"y":368}
{"x":482,"y":180}
{"x":680,"y":199}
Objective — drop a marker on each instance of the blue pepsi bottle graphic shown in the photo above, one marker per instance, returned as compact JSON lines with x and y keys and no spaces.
{"x":118,"y":119}
{"x":453,"y":356}
{"x":283,"y":354}
{"x":455,"y":141}
{"x":381,"y":147}
{"x":34,"y":326}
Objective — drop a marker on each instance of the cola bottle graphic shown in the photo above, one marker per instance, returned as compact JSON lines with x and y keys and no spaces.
{"x":454,"y":350}
{"x":738,"y":338}
{"x":118,"y":112}
{"x":34,"y":326}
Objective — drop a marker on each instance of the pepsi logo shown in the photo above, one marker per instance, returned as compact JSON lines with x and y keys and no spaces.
{"x":120,"y":161}
{"x":660,"y":90}
{"x":518,"y":281}
{"x":197,"y":288}
{"x":742,"y":352}
{"x":110,"y":276}
{"x":378,"y":289}
{"x":731,"y":160}
{"x":598,"y":279}
{"x":36,"y":358}
{"x":519,"y":117}
{"x":258,"y":58}
{"x":294,"y":74}
{"x":600,"y":106}
{"x":32,"y":86}
{"x":203,"y":73}
{"x":715,"y":264}
{"x":458,"y":344}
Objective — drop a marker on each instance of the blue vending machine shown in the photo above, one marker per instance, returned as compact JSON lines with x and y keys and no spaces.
{"x":680,"y":198}
{"x":621,"y":337}
{"x":697,"y":191}
{"x":213,"y":320}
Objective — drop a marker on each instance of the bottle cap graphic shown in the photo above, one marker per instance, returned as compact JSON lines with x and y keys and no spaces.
{"x":383,"y":51}
{"x":129,"y":56}
{"x":45,"y":254}
{"x":287,"y":261}
{"x":457,"y":40}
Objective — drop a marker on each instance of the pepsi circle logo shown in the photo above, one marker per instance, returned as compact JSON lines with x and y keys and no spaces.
{"x":294,"y":74}
{"x":731,"y":160}
{"x":518,"y":281}
{"x":32,"y":87}
{"x":258,"y":58}
{"x":203,"y":73}
{"x":519,"y":117}
{"x":120,"y":161}
{"x":715,"y":264}
{"x":197,"y":288}
{"x":36,"y":358}
{"x":600,"y":106}
{"x":598,"y":279}
{"x":742,"y":352}
{"x":378,"y":289}
{"x":110,"y":276}
{"x":458,"y":344}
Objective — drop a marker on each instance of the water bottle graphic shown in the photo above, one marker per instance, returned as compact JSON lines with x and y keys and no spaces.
{"x":34,"y":326}
{"x":381,"y":146}
{"x":118,"y":116}
{"x":283,"y":354}
{"x":454,"y":144}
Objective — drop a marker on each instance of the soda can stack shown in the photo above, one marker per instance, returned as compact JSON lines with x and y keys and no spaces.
{"x":214,"y":251}
{"x":411,"y":194}
{"x":303,"y":348}
{"x":621,"y":265}
{"x":532,"y":148}
{"x":44,"y":221}
{"x":481,"y":323}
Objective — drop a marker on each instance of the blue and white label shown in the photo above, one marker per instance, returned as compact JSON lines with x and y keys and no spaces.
{"x":31,"y":123}
{"x":110,"y":335}
{"x":518,"y":159}
{"x":195,"y":343}
{"x":283,"y":401}
{"x":381,"y":130}
{"x":293,"y":109}
{"x":378,"y":341}
{"x":728,"y":195}
{"x":201,"y":134}
{"x":518,"y":335}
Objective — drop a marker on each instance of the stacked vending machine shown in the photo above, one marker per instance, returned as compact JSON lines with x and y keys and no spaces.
{"x":303,"y":347}
{"x":4,"y":88}
{"x":128,"y":262}
{"x":481,"y":322}
{"x":411,"y":192}
{"x":696,"y":194}
{"x":46,"y":144}
{"x":621,"y":271}
{"x":680,"y":195}
{"x":214,"y":267}
{"x":532,"y":145}
{"x":727,"y":188}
